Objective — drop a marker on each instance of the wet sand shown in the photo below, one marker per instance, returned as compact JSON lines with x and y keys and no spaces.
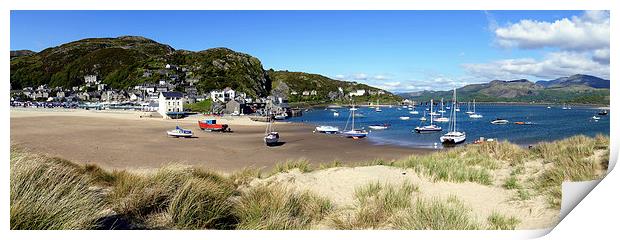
{"x":131,"y":143}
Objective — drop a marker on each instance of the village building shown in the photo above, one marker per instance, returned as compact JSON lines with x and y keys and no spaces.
{"x":359,"y":92}
{"x":170,"y":103}
{"x":223,"y":96}
{"x":90,"y":80}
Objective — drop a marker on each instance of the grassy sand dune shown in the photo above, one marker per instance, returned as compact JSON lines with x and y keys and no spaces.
{"x":489,"y":186}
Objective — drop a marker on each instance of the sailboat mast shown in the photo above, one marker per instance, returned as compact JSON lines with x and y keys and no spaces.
{"x":474,"y":105}
{"x":353,"y":118}
{"x":453,"y":109}
{"x":431,"y":112}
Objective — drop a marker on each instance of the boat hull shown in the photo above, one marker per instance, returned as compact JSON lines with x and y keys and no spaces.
{"x":427,"y":130}
{"x":213,"y":127}
{"x":272,"y":139}
{"x":355,"y":134}
{"x":452,"y":139}
{"x":178,"y":135}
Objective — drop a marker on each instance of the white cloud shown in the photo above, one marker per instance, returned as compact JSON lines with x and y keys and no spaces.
{"x":339,"y":77}
{"x":589,"y":31}
{"x":553,"y":65}
{"x":360,"y":76}
{"x":601,"y":56}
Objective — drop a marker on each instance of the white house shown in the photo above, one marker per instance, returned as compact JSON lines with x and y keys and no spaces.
{"x":223,"y":96}
{"x":359,"y":92}
{"x":170,"y":102}
{"x":90,"y":80}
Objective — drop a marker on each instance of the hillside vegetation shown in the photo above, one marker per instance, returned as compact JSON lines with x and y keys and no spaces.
{"x":127,"y":61}
{"x":50,"y":193}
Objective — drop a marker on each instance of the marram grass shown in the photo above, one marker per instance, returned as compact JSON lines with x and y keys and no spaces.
{"x":48,"y":195}
{"x":51,"y":193}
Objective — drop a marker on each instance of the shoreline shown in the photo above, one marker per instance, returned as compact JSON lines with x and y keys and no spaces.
{"x":116,"y":140}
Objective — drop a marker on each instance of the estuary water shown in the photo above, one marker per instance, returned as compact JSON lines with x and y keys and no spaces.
{"x":547,"y":124}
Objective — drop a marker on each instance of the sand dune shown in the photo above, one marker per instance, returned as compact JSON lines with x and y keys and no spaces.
{"x":338,"y":184}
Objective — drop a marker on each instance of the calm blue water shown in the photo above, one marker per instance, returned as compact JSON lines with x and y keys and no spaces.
{"x":548,"y":124}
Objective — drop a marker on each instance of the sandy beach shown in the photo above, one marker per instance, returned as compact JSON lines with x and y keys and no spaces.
{"x":123,"y":140}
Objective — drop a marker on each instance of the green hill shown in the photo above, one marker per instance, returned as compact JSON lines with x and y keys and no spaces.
{"x":127,"y":61}
{"x":328,"y":90}
{"x":116,"y":61}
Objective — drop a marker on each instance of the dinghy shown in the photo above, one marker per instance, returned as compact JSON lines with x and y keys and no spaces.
{"x":379,"y":126}
{"x":499,"y":121}
{"x":180,"y":132}
{"x":327,"y":129}
{"x":404,"y":118}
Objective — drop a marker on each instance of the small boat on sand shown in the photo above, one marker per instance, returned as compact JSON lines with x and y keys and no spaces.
{"x":271,"y":136}
{"x":212,"y":126}
{"x":180,"y":132}
{"x":327,"y":129}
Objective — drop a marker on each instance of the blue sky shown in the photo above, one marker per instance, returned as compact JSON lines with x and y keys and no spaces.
{"x":396,"y":50}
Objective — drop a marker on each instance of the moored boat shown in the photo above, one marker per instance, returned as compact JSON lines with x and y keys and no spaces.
{"x":499,"y":121}
{"x":354,"y":133}
{"x":272,"y":137}
{"x":379,"y":126}
{"x":428,"y":128}
{"x":212,"y":125}
{"x":404,"y":118}
{"x":453,"y":136}
{"x":180,"y":132}
{"x":327,"y":129}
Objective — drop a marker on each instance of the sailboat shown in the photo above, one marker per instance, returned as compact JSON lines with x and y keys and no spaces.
{"x":354,"y":133}
{"x":271,"y":136}
{"x":414,"y":112}
{"x":441,"y":110}
{"x":453,"y":136}
{"x":474,"y":114}
{"x":423,"y":118}
{"x":378,"y":109}
{"x":442,"y":118}
{"x":432,"y":114}
{"x":469,"y":108}
{"x":457,"y":108}
{"x":428,"y":128}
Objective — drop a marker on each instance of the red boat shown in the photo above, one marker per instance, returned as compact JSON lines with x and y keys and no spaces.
{"x":212,"y":126}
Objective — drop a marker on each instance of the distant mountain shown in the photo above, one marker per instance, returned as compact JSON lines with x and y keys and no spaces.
{"x":17,"y":53}
{"x":573,"y":89}
{"x":578,"y":80}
